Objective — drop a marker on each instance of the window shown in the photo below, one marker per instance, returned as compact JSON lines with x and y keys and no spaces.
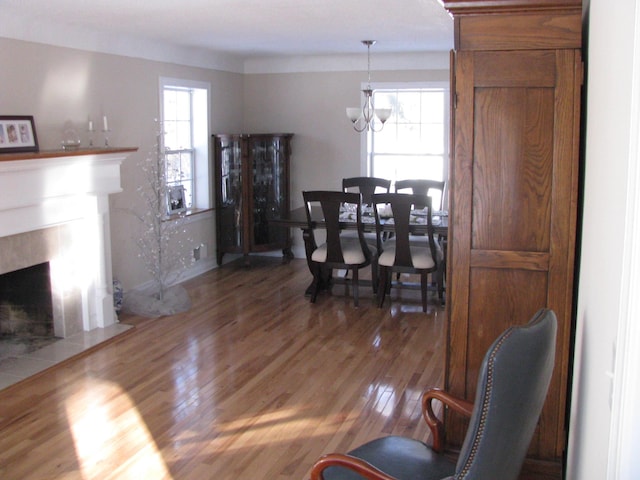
{"x":185,"y":121}
{"x":414,"y":141}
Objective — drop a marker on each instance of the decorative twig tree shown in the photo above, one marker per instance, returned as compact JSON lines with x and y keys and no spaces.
{"x":162,"y":243}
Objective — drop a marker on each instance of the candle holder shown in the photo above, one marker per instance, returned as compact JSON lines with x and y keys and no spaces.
{"x":105,"y":130}
{"x":106,"y":137}
{"x":91,"y":131}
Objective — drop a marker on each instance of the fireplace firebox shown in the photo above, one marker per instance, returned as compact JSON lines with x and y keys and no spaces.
{"x":26,"y":309}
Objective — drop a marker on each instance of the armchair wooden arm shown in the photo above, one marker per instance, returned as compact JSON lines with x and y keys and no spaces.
{"x":436,"y":426}
{"x":352,"y":463}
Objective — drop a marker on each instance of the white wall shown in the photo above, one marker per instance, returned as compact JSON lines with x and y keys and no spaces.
{"x":56,"y":84}
{"x":610,"y":36}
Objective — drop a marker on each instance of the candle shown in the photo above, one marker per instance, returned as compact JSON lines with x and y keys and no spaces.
{"x":90,"y":125}
{"x":105,"y":125}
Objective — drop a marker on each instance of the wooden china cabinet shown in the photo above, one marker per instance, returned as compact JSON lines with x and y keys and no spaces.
{"x":516,"y":89}
{"x":252,"y":188}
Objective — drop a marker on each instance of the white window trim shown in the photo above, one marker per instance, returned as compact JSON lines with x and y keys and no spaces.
{"x":202,"y":197}
{"x":365,"y":165}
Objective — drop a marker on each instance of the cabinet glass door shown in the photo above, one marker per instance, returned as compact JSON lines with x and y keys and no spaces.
{"x":269,"y":188}
{"x":231,"y":193}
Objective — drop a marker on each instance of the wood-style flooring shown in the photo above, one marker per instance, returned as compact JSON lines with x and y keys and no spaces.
{"x":253,"y":382}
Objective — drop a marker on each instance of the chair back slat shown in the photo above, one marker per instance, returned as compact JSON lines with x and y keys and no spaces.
{"x":367,"y":186}
{"x":422,"y":187}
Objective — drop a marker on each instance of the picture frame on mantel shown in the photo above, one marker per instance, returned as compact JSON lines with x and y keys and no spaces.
{"x":18,"y":134}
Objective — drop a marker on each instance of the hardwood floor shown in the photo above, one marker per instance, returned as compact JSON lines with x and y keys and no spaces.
{"x":254,"y":382}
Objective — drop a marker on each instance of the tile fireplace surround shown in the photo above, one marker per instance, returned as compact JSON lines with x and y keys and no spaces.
{"x":54,"y":208}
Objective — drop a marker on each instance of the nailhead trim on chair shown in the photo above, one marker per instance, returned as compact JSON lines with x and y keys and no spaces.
{"x":485,"y":408}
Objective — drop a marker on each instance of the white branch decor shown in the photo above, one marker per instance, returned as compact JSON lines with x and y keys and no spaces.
{"x":162,"y":244}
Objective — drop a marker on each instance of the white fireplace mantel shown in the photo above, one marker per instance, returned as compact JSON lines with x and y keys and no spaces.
{"x":49,"y":190}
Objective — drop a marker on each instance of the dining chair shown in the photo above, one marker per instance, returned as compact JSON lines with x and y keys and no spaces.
{"x":403,"y":253}
{"x":427,"y":187}
{"x":512,"y":385}
{"x":423,"y":187}
{"x":339,"y":251}
{"x":366,"y":186}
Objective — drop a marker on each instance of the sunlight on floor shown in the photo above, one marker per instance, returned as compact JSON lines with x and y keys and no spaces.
{"x":281,"y":426}
{"x":98,"y":435}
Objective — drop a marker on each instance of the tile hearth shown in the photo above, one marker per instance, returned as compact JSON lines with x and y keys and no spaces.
{"x":15,"y":369}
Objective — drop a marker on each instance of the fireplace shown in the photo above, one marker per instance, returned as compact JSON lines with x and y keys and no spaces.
{"x":55,"y":247}
{"x":54,"y":210}
{"x":26,"y":310}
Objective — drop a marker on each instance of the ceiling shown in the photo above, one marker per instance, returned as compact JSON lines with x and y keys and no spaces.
{"x":254,"y":28}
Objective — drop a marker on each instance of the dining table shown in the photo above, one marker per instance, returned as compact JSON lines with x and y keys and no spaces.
{"x":297,"y":218}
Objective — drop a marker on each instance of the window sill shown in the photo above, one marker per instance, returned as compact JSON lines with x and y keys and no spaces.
{"x":191,"y":215}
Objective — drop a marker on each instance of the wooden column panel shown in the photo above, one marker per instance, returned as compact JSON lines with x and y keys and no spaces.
{"x":514,"y":179}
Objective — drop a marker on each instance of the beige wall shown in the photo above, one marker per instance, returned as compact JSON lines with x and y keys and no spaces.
{"x":56,"y":84}
{"x":59,"y":84}
{"x":312,"y":106}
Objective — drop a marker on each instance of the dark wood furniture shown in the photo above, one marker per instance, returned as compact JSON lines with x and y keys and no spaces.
{"x":425,"y":187}
{"x":516,"y":86}
{"x":252,"y":188}
{"x":338,"y":251}
{"x":422,"y":187}
{"x":297,"y":218}
{"x":404,"y":253}
{"x":366,"y":186}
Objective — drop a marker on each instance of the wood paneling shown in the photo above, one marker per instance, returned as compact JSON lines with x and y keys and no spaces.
{"x":526,"y":31}
{"x":514,"y":174}
{"x":512,"y":162}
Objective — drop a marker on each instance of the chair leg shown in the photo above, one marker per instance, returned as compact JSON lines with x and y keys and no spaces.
{"x":317,"y":274}
{"x":374,"y":276}
{"x":424,"y":286}
{"x":440,"y":284}
{"x":382,"y":285}
{"x":355,"y":287}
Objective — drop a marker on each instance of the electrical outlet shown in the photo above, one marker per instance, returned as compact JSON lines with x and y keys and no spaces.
{"x":200,"y":252}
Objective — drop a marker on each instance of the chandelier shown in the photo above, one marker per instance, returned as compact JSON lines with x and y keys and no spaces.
{"x":368,"y":118}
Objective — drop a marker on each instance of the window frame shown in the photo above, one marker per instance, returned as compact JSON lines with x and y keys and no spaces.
{"x":366,"y":155}
{"x":202,"y":194}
